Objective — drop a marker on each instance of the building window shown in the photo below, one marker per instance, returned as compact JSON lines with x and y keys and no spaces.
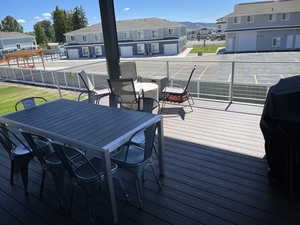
{"x":276,"y":42}
{"x":18,"y":46}
{"x":140,"y":34}
{"x":171,"y":31}
{"x":96,"y":37}
{"x":154,"y":34}
{"x":155,"y":47}
{"x":126,"y":35}
{"x":284,"y":17}
{"x":84,"y":38}
{"x":237,"y":20}
{"x":271,"y":18}
{"x":85,"y":51}
{"x":140,"y":48}
{"x":98,"y":50}
{"x":250,"y":19}
{"x":72,"y":38}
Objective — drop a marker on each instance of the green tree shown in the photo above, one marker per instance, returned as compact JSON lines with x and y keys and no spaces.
{"x":79,"y":19}
{"x":59,"y":24}
{"x":40,"y":35}
{"x":10,"y":24}
{"x":48,"y":29}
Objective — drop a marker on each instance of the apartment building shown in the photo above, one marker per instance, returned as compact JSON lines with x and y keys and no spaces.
{"x":137,"y":37}
{"x":264,"y":26}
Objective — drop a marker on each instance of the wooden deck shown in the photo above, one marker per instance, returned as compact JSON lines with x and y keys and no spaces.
{"x":215,"y":175}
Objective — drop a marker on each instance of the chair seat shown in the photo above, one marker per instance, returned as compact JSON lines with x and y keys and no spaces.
{"x":52,"y":158}
{"x":20,"y":151}
{"x":88,"y":174}
{"x":173,"y":90}
{"x":135,"y":156}
{"x":139,"y":138}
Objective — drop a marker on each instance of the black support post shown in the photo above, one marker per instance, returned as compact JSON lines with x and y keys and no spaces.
{"x":110,"y":37}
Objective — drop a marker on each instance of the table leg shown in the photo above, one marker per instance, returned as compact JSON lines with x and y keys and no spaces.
{"x":291,"y":172}
{"x":161,"y":148}
{"x":110,"y":187}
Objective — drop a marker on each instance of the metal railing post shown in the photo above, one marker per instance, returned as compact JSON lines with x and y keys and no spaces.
{"x":231,"y":82}
{"x":168,"y":70}
{"x":57,"y":84}
{"x":198,"y":88}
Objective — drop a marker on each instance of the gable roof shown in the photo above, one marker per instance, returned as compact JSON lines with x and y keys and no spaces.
{"x":4,"y":35}
{"x":133,"y":24}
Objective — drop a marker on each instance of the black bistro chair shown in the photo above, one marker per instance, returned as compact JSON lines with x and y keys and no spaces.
{"x":135,"y":159}
{"x":49,"y":161}
{"x":178,"y":94}
{"x":124,"y":91}
{"x":19,"y":154}
{"x":29,"y":102}
{"x":88,"y":174}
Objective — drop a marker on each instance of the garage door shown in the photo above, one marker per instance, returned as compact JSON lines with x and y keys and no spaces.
{"x":229,"y":44}
{"x":73,"y":53}
{"x":247,"y":41}
{"x":170,"y":49}
{"x":126,"y":51}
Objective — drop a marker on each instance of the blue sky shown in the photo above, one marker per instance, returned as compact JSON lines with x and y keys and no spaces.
{"x":30,"y":11}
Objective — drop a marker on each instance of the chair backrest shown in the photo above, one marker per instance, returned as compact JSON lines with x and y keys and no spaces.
{"x":150,"y":133}
{"x":60,"y":151}
{"x":86,"y":81}
{"x":128,"y":70}
{"x":35,"y":141}
{"x":124,"y":90}
{"x":29,"y":102}
{"x":9,"y":140}
{"x":189,"y":80}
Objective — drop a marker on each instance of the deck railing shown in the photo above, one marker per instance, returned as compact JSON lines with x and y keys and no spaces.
{"x":244,"y":81}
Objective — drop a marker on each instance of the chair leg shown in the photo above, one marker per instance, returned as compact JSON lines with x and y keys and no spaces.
{"x":138,"y":187}
{"x":122,"y":185}
{"x":42,"y":183}
{"x":24,"y":175}
{"x":190,"y":105}
{"x":156,"y":177}
{"x":12,"y":169}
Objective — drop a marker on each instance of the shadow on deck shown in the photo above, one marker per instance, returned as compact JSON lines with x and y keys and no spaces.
{"x":215,"y":175}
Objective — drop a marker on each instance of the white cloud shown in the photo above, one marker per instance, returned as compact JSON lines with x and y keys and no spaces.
{"x":21,"y":21}
{"x":46,"y":15}
{"x":126,"y":9}
{"x":37,"y":18}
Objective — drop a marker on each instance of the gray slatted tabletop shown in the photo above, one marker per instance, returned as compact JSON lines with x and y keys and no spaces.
{"x":87,"y":126}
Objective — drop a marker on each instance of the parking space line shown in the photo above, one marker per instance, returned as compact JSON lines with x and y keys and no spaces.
{"x":255,"y":78}
{"x":203,"y":72}
{"x":229,"y":77}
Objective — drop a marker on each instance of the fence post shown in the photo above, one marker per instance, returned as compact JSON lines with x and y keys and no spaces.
{"x":57,"y":84}
{"x":168,"y":70}
{"x":231,"y":82}
{"x":66,"y":82}
{"x":43,"y":81}
{"x":31,"y":75}
{"x":22,"y":75}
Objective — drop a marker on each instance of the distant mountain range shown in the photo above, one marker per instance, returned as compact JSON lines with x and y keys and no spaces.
{"x":198,"y":25}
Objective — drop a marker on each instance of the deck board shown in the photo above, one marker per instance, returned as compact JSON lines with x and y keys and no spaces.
{"x":215,"y":174}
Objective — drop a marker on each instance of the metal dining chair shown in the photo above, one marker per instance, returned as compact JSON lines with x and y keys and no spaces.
{"x":88,"y":174}
{"x":29,"y":102}
{"x":135,"y":159}
{"x":19,"y":154}
{"x":49,"y":161}
{"x":128,"y":70}
{"x":125,"y":92}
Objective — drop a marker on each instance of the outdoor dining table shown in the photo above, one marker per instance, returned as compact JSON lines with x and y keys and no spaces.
{"x":90,"y":127}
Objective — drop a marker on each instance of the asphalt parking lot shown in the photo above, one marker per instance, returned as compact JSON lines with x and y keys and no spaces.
{"x":250,"y":68}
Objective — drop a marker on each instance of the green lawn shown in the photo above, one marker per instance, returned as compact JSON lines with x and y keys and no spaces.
{"x":206,"y":49}
{"x":10,"y":94}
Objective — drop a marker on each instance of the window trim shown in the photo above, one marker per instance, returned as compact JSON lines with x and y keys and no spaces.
{"x":88,"y":52}
{"x":278,"y":42}
{"x":273,"y":17}
{"x":155,"y":44}
{"x":154,"y":32}
{"x":72,"y":38}
{"x":251,"y":21}
{"x":287,"y":18}
{"x":140,"y":52}
{"x":98,"y":47}
{"x":238,"y":20}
